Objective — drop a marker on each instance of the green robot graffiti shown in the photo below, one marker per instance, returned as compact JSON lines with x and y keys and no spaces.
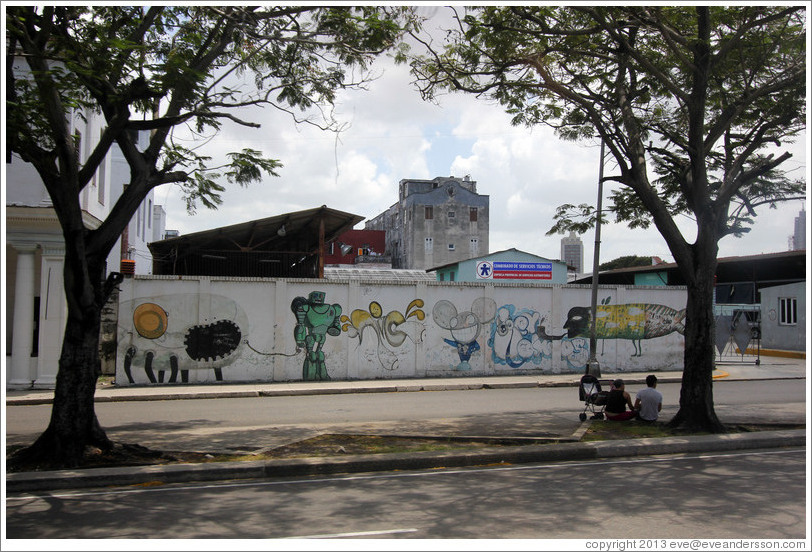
{"x":314,"y":320}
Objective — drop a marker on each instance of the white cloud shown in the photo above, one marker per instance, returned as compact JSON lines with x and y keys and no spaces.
{"x":393,"y":134}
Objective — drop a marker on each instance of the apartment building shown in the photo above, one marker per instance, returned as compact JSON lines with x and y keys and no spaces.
{"x":435,"y":222}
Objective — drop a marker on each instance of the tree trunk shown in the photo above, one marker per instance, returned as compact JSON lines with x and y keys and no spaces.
{"x":73,"y":425}
{"x":696,"y":411}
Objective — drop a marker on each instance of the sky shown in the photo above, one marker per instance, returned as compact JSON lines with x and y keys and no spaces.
{"x":392,"y":134}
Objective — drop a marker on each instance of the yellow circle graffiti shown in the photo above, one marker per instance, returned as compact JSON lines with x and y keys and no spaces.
{"x":150,"y":320}
{"x":375,"y":309}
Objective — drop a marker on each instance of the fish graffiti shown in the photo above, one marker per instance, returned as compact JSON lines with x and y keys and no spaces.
{"x":632,"y":321}
{"x":392,"y":329}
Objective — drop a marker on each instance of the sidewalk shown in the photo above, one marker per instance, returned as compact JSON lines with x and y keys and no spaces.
{"x":564,"y":428}
{"x":733,"y":370}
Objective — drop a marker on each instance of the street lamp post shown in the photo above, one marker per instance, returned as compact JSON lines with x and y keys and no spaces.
{"x":593,"y":366}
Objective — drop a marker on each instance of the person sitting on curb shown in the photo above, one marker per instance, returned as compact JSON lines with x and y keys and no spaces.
{"x":617,"y":401}
{"x":649,"y":401}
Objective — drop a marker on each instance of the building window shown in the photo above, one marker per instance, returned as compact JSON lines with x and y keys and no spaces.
{"x":452,"y":214}
{"x":451,"y":247}
{"x":788,"y":309}
{"x":472,"y":214}
{"x":429,"y":245}
{"x":442,"y":276}
{"x":35,"y":342}
{"x":474,"y":248}
{"x":429,"y":213}
{"x":451,"y":276}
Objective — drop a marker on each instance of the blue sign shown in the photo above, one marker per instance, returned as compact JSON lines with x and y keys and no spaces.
{"x":508,"y":270}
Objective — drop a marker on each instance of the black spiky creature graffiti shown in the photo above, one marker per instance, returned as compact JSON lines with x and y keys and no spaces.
{"x":212,"y":341}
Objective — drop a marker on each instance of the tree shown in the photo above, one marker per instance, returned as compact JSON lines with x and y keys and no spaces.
{"x":626,"y":261}
{"x":689,"y":102}
{"x":155,"y":69}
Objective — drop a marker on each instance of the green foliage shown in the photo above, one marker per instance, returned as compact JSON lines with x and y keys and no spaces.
{"x":626,"y":261}
{"x":702,"y":97}
{"x":246,"y":166}
{"x":154,"y":68}
{"x":699,"y":97}
{"x":575,"y":218}
{"x":146,"y":70}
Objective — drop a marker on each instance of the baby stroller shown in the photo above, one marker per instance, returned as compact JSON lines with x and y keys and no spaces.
{"x":594,"y":399}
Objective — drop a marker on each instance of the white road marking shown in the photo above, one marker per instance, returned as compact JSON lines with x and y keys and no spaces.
{"x":354,"y":535}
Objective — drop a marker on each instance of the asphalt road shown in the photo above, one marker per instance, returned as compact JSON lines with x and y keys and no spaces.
{"x":744,"y":495}
{"x":251,"y":423}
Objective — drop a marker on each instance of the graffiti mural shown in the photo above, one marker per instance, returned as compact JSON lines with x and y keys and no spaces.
{"x":183,"y":331}
{"x":515,"y":340}
{"x":161,"y":338}
{"x":464,"y":326}
{"x":392,"y":329}
{"x":315,"y":320}
{"x":575,"y":352}
{"x":518,"y":337}
{"x":632,"y":321}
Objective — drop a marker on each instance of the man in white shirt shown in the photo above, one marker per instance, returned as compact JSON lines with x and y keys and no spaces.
{"x":649,"y":401}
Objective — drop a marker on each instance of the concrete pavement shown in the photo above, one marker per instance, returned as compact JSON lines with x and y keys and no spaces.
{"x":729,"y":370}
{"x":562,"y":428}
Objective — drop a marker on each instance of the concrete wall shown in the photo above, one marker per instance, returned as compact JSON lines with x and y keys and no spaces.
{"x":782,"y":336}
{"x":201,"y":329}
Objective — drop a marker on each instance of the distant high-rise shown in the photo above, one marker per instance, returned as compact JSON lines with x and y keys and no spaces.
{"x":799,"y":237}
{"x":572,"y":252}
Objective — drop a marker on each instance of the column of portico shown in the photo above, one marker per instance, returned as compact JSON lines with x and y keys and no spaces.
{"x":20,"y":375}
{"x":53,"y":315}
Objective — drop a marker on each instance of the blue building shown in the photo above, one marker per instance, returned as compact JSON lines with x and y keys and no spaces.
{"x":510,"y":265}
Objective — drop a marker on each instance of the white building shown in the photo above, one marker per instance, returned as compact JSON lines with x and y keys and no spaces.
{"x":36,"y":308}
{"x":799,"y":237}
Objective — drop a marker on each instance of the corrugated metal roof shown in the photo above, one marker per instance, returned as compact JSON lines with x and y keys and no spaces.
{"x":284,"y":245}
{"x":378,"y":274}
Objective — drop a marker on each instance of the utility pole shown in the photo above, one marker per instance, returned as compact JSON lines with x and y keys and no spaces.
{"x":593,"y":366}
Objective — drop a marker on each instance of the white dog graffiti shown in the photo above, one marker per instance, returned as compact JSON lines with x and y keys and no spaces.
{"x":166,"y":333}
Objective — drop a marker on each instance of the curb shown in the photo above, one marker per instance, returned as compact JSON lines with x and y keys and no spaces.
{"x":165,"y":395}
{"x":185,"y":473}
{"x":168,"y":395}
{"x":780,"y":353}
